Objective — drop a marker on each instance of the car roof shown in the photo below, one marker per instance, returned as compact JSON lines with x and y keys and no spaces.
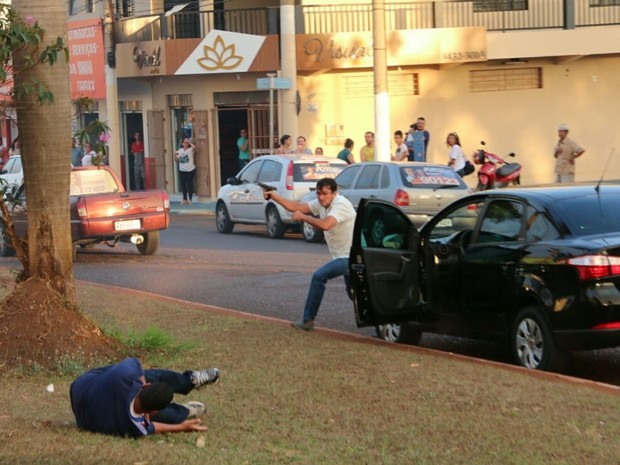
{"x":400,"y":164}
{"x":557,"y":192}
{"x":300,"y":158}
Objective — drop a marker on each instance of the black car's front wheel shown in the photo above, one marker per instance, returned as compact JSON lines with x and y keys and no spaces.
{"x":532,"y":343}
{"x":399,"y":333}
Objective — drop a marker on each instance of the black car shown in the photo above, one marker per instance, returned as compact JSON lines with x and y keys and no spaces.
{"x":538,"y":268}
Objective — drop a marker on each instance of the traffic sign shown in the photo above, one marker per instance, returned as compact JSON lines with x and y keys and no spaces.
{"x":273,"y":83}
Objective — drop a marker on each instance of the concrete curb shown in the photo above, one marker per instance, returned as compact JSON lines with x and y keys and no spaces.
{"x":207,"y":209}
{"x":544,"y":375}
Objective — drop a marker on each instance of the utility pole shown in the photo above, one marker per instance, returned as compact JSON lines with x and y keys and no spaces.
{"x":382,"y":98}
{"x":109,"y":37}
{"x":288,"y":103}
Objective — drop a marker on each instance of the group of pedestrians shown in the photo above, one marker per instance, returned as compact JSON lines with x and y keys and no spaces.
{"x":366,"y":153}
{"x":412,"y":147}
{"x":82,"y":156}
{"x":566,"y":151}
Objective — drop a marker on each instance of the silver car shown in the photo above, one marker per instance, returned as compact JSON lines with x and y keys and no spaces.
{"x":241,"y":200}
{"x":12,"y":172}
{"x":419,"y":189}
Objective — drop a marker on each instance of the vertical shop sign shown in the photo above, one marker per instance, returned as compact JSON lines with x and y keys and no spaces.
{"x":86,"y":59}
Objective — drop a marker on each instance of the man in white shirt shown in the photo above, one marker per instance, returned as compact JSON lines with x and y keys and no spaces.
{"x":336,"y":217}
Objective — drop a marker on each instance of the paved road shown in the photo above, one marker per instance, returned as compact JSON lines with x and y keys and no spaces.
{"x":250,"y":272}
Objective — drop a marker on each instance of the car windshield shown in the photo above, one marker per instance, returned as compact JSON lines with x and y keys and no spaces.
{"x":84,"y":182}
{"x":309,"y":171}
{"x":429,"y":177}
{"x":595,"y":214}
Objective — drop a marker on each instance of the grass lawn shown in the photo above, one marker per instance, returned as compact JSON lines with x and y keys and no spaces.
{"x":288,"y":397}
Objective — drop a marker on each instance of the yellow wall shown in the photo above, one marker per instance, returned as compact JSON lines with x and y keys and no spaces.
{"x":581,"y":94}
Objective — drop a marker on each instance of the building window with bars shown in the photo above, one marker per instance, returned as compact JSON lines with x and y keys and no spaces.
{"x":604,"y":2}
{"x":399,"y":85}
{"x":486,"y":6}
{"x":496,"y":80}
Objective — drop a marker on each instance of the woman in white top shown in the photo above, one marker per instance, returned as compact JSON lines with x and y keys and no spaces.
{"x":187,"y":170}
{"x":89,"y":153}
{"x":457,"y":158}
{"x":15,"y":150}
{"x":286,"y":145}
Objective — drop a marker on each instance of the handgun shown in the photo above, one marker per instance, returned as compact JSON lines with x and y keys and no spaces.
{"x":265,"y":187}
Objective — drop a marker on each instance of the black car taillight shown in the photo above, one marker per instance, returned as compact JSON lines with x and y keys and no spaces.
{"x":595,"y":266}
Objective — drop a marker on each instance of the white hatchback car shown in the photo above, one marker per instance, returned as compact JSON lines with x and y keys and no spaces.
{"x":12,"y":172}
{"x":293,"y":176}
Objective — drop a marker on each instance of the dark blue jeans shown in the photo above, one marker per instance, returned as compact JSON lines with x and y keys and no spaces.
{"x":180,"y":383}
{"x":333,"y":269}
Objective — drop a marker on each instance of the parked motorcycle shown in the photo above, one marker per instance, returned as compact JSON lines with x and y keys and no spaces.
{"x":495,"y":171}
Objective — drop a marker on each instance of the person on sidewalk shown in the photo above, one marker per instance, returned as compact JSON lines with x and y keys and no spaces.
{"x":187,"y":169}
{"x":126,"y":400}
{"x":566,"y":152}
{"x":243,"y":144}
{"x":336,"y":216}
{"x":137,"y":149}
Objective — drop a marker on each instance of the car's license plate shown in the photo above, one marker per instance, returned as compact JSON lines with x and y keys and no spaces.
{"x":126,"y":225}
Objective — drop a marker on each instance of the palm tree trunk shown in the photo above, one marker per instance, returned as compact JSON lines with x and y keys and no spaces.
{"x":44,"y":133}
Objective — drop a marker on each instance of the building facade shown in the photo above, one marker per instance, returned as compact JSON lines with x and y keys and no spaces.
{"x":507,"y":72}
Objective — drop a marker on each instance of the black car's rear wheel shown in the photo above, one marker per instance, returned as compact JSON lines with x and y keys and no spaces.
{"x":532,"y":343}
{"x":399,"y":333}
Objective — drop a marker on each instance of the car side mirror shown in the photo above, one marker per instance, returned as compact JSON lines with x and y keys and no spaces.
{"x":232,"y":181}
{"x":3,"y":172}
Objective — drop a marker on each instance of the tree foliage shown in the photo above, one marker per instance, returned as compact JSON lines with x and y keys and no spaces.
{"x":17,"y":35}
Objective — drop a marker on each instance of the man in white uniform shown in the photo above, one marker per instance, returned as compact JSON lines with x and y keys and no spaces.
{"x":336,"y":217}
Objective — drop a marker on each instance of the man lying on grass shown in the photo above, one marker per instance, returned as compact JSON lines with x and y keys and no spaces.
{"x":125,"y":400}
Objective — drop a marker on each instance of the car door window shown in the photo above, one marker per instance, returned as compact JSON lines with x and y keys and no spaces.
{"x":250,"y":173}
{"x":9,"y":165}
{"x":345,"y":179}
{"x":16,"y":167}
{"x":538,"y":227}
{"x":460,"y":220}
{"x":270,"y":172}
{"x":502,"y":222}
{"x":369,"y":178}
{"x":385,"y":178}
{"x":385,"y":227}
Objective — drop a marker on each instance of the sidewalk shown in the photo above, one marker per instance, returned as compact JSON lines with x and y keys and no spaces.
{"x":196,"y":208}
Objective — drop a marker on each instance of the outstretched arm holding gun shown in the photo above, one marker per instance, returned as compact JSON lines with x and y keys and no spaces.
{"x":301,"y":211}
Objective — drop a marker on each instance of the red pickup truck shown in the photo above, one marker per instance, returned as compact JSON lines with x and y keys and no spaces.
{"x":103,"y":212}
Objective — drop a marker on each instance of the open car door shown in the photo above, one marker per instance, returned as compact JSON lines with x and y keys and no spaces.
{"x":384,"y":265}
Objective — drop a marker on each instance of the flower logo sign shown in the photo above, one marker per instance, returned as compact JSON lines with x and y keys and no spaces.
{"x":220,"y":56}
{"x":222,"y":52}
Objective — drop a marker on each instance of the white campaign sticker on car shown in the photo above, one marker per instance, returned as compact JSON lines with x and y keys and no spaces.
{"x":125,"y":225}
